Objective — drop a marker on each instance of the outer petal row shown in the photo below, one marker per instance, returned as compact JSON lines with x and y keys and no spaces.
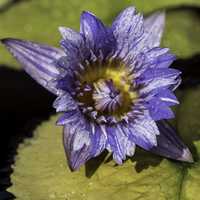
{"x":37,"y":59}
{"x":135,"y":35}
{"x":74,"y":46}
{"x":127,"y":28}
{"x":98,"y":37}
{"x":81,"y":144}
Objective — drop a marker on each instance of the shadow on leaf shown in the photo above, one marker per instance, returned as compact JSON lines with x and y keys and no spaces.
{"x":93,"y":164}
{"x":23,"y":105}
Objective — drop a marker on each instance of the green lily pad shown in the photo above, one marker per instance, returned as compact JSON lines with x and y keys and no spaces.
{"x":182,"y":32}
{"x":3,"y":2}
{"x":38,"y":20}
{"x":189,"y":126}
{"x":41,"y":172}
{"x":149,"y":6}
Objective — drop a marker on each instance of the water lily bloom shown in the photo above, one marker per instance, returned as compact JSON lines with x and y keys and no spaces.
{"x":113,"y":85}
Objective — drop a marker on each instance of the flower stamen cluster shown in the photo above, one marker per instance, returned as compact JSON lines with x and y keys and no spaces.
{"x":105,"y":91}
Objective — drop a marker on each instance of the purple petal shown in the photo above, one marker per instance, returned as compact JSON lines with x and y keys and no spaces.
{"x":154,"y":53}
{"x":154,"y":58}
{"x":157,"y":78}
{"x":170,"y":145}
{"x":162,"y":61}
{"x":165,"y":95}
{"x":154,"y":27}
{"x":71,"y":116}
{"x":98,"y":37}
{"x":158,"y":58}
{"x":82,"y":142}
{"x":151,"y":37}
{"x":98,"y":140}
{"x":153,"y":74}
{"x":127,"y":29}
{"x":106,"y":96}
{"x":142,"y":131}
{"x":153,"y":30}
{"x":115,"y":146}
{"x":159,"y":110}
{"x":67,"y":83}
{"x":77,"y":145}
{"x":71,"y":35}
{"x":65,"y":103}
{"x":74,"y":46}
{"x":119,"y":143}
{"x":37,"y":59}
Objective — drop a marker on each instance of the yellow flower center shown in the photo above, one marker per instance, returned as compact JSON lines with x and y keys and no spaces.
{"x":111,"y":85}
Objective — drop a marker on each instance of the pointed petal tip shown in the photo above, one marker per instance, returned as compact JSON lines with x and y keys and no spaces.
{"x":73,"y":168}
{"x":61,"y":28}
{"x":74,"y":165}
{"x":84,"y":12}
{"x":129,"y":9}
{"x":5,"y":41}
{"x":87,"y":13}
{"x":9,"y":40}
{"x":157,"y":17}
{"x":9,"y":43}
{"x":161,"y":15}
{"x":170,"y":145}
{"x":62,"y":31}
{"x":38,"y":60}
{"x":186,"y":156}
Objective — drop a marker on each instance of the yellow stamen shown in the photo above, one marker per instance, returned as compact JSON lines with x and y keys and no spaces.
{"x":118,"y":73}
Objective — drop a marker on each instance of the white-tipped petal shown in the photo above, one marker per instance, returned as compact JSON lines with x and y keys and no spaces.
{"x":186,"y":156}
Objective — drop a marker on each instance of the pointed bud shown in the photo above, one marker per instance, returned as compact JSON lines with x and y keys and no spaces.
{"x":170,"y":145}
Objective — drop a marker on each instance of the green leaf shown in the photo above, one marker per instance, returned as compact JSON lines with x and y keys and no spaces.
{"x":4,"y":2}
{"x":182,"y":32}
{"x":41,"y":172}
{"x":38,"y":20}
{"x":189,"y":126}
{"x":151,"y":5}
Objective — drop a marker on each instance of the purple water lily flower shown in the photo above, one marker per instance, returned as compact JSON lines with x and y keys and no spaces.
{"x":113,"y":84}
